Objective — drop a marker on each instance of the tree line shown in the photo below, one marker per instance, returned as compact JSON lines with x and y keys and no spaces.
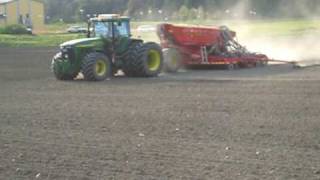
{"x":75,"y":10}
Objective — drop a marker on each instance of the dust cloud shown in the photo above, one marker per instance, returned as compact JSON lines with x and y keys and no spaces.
{"x":300,"y":44}
{"x":305,"y":47}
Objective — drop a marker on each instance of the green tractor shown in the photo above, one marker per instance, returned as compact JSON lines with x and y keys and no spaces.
{"x":107,"y":49}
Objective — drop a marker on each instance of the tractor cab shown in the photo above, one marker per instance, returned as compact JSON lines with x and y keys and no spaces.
{"x":109,"y":26}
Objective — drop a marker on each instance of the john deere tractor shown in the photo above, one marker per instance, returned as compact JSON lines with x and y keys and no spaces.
{"x":107,"y":49}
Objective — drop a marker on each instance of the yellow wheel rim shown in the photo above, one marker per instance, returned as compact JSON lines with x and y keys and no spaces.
{"x":101,"y":68}
{"x":154,"y":60}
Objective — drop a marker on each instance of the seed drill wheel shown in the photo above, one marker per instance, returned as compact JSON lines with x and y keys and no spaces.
{"x":232,"y":66}
{"x":146,"y":60}
{"x":172,"y":60}
{"x":58,"y":71}
{"x":260,"y":64}
{"x":96,"y":67}
{"x":265,"y":63}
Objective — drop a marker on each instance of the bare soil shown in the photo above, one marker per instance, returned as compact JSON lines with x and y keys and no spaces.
{"x":204,"y":124}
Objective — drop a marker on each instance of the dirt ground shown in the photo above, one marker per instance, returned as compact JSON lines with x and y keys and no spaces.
{"x":206,"y":124}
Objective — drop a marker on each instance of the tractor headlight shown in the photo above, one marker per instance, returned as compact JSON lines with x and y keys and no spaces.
{"x":65,"y":56}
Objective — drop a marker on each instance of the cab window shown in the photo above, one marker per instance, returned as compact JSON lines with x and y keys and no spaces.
{"x":102,"y":29}
{"x":122,"y":29}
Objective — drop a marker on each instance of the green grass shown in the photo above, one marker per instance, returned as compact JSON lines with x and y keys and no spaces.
{"x":61,"y":27}
{"x":266,"y":28}
{"x":47,"y":40}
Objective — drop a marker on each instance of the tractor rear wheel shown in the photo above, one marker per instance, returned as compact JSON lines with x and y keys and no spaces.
{"x":96,"y":67}
{"x":128,"y":59}
{"x":146,"y":60}
{"x":172,"y":60}
{"x":58,"y":72}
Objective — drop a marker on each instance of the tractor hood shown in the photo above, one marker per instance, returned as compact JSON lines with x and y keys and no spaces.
{"x":81,"y":42}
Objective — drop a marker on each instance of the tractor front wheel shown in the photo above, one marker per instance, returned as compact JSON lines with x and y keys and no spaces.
{"x":96,"y":67}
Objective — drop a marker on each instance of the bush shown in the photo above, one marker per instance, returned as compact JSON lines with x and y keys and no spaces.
{"x":1,"y":30}
{"x":14,"y":29}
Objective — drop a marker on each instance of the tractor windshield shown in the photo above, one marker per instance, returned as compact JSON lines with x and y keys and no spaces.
{"x":100,"y":28}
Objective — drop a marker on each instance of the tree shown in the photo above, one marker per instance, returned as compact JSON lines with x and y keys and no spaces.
{"x":183,"y":13}
{"x":182,"y":9}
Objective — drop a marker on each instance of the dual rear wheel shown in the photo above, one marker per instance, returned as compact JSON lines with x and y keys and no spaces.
{"x":143,"y":60}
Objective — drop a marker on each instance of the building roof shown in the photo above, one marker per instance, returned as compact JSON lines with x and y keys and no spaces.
{"x":9,"y":1}
{"x":5,"y":1}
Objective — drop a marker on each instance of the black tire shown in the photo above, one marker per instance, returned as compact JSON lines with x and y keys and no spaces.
{"x":259,"y":64}
{"x":57,"y":72}
{"x":145,"y":60}
{"x":96,"y":67}
{"x":265,"y":63}
{"x":128,"y":58}
{"x":232,"y":67}
{"x":172,"y":60}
